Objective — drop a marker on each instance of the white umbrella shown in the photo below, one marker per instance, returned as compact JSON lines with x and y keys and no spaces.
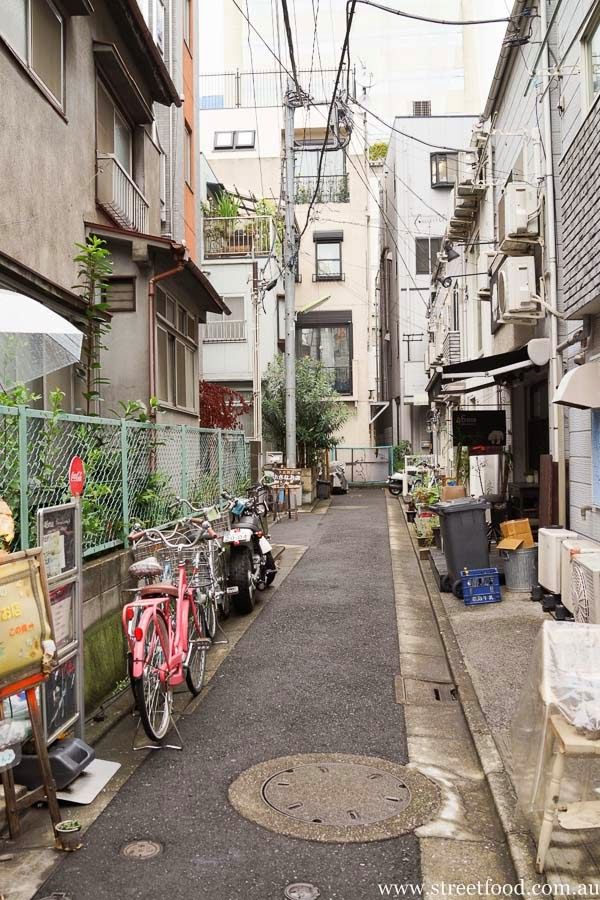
{"x":34,"y":341}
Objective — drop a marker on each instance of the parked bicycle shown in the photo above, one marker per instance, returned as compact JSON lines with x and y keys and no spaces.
{"x":166,"y":631}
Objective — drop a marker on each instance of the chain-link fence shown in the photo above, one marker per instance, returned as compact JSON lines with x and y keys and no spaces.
{"x":134,"y":471}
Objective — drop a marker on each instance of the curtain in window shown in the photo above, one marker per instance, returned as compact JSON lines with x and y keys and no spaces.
{"x":46,"y":46}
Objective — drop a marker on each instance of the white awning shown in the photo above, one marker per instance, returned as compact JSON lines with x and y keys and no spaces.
{"x":580,"y":387}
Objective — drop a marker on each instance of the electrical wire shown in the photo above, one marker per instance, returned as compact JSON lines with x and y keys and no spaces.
{"x":290,"y":42}
{"x":269,"y":48}
{"x":398,"y":12}
{"x":262,"y":184}
{"x":406,"y":134}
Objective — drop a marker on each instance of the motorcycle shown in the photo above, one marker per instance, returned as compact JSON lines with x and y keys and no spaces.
{"x":395,"y":484}
{"x":251,"y":563}
{"x":339,"y":482}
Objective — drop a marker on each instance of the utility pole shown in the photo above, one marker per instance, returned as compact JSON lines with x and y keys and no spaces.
{"x":256,"y":369}
{"x":289,"y":263}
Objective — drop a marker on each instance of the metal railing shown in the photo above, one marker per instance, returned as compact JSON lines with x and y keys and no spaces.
{"x":119,"y":195}
{"x":134,"y":470}
{"x":223,"y":331}
{"x":452,"y":347}
{"x":225,"y":238}
{"x":332,"y":189}
{"x":230,"y":90}
{"x":365,"y":465}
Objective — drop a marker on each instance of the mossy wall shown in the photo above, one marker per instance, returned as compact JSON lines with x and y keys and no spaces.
{"x":104,"y":658}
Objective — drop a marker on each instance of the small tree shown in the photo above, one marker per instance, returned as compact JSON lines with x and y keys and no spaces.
{"x":94,"y":268}
{"x":220,"y":406}
{"x":319,"y":412}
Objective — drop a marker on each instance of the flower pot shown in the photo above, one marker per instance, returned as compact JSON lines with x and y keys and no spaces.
{"x":410,"y":515}
{"x":68,"y":835}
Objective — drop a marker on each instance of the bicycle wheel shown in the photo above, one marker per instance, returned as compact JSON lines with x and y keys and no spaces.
{"x":196,"y":660}
{"x":153,"y":695}
{"x":210,"y":613}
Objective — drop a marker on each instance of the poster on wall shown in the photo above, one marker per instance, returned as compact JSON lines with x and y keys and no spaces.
{"x":483,"y":431}
{"x":57,"y":526}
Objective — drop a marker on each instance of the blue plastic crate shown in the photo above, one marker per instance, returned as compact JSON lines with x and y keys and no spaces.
{"x":480,"y":586}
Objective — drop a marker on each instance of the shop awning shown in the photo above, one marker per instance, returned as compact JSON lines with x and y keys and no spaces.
{"x":580,"y":387}
{"x":535,"y":353}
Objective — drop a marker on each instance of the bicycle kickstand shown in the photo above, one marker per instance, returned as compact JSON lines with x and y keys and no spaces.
{"x":158,"y":746}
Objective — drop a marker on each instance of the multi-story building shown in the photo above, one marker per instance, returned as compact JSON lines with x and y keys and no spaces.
{"x":87,"y":159}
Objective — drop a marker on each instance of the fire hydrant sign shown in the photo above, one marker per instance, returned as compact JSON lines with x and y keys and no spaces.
{"x":76,"y":476}
{"x":24,"y":617}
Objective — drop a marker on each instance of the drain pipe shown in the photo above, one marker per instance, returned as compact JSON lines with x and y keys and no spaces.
{"x":556,"y":411}
{"x":152,"y":313}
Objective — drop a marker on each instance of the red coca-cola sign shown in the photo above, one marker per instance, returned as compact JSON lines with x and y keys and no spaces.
{"x":76,"y":476}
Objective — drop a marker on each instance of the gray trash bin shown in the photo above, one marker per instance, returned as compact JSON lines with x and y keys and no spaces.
{"x":464,"y":537}
{"x":520,"y":568}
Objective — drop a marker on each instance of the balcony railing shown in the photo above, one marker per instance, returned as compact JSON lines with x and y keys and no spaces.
{"x":452,"y":348}
{"x":332,"y":189}
{"x":217,"y":332}
{"x":244,"y":237}
{"x":119,"y":195}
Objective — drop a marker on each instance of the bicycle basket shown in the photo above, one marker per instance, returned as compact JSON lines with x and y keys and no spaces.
{"x":196,"y":563}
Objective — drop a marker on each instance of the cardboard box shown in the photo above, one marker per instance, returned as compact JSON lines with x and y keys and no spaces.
{"x":516,"y":530}
{"x":453,"y":492}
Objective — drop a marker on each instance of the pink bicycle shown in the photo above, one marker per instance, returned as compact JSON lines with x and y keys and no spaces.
{"x":168,"y":642}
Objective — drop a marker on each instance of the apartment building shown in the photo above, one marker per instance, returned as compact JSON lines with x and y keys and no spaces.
{"x":87,"y":158}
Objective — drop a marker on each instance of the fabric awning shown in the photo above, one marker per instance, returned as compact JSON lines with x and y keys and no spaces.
{"x":580,"y":387}
{"x":489,"y":366}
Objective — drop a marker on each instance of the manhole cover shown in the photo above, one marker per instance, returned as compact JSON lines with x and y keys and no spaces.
{"x":301,"y":891}
{"x":335,"y":798}
{"x":336,"y":794}
{"x":141,"y":849}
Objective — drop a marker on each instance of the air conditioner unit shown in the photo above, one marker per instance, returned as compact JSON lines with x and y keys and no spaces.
{"x":570,"y":550}
{"x":513,"y":291}
{"x":486,"y":260}
{"x":518,"y":215}
{"x":549,"y":556}
{"x":585,"y":588}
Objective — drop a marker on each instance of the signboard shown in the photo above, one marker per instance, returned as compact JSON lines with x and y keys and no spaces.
{"x":62,"y":605}
{"x":61,"y":707}
{"x":482,"y":431}
{"x":57,"y":528}
{"x":25,"y":620}
{"x":76,"y":476}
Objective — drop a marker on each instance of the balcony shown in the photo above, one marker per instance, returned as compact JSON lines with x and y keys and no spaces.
{"x":248,"y":238}
{"x":452,"y":348}
{"x":119,"y":196}
{"x":223,"y":332}
{"x":332,"y":189}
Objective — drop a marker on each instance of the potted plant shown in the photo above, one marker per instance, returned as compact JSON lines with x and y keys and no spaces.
{"x":68,"y":834}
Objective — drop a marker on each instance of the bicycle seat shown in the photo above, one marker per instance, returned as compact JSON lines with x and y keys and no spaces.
{"x":146,"y":568}
{"x":159,"y":589}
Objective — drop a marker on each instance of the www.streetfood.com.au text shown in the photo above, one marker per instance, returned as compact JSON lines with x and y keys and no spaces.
{"x":488,"y":888}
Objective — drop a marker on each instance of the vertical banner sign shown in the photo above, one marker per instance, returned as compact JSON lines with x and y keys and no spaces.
{"x":59,"y":535}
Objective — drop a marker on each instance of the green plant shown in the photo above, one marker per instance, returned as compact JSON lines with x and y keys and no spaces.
{"x":224,"y":206}
{"x":319,"y":412}
{"x":378,"y":151}
{"x":399,"y":452}
{"x":94,"y":268}
{"x":462,"y":465}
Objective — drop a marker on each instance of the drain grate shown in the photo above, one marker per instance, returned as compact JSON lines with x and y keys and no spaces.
{"x":423,"y":693}
{"x":301,"y":890}
{"x":141,"y":849}
{"x":335,"y":793}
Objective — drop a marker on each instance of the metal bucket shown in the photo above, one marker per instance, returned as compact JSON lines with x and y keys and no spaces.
{"x":520,"y":568}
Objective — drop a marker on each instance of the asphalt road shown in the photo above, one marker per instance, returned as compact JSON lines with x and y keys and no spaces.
{"x":314,"y":673}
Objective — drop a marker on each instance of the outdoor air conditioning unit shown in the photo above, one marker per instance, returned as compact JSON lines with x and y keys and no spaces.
{"x":550,"y":542}
{"x":585,"y":588}
{"x":570,"y":550}
{"x":513,"y":291}
{"x":518,"y":213}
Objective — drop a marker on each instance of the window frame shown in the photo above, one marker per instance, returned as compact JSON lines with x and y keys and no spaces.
{"x":339,"y":276}
{"x":591,"y":28}
{"x":188,"y":19}
{"x":118,"y":111}
{"x":176,"y":336}
{"x":27,"y":61}
{"x":417,"y":105}
{"x":434,"y":160}
{"x":229,"y":146}
{"x":330,"y":321}
{"x":429,"y":239}
{"x":236,"y":143}
{"x":188,"y":156}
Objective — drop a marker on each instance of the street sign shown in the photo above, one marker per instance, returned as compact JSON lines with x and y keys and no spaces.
{"x":482,"y":431}
{"x":76,"y":476}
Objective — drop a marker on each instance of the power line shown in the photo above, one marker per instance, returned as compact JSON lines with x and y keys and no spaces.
{"x":527,"y":13}
{"x":262,"y":184}
{"x":257,"y":32}
{"x":406,"y":134}
{"x":290,"y":41}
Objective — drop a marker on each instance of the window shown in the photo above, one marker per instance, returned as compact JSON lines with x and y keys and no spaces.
{"x":159,"y":25}
{"x":426,"y":250}
{"x":592,"y":60}
{"x":333,"y":185}
{"x":455,"y":308}
{"x":35,"y":31}
{"x":328,"y":256}
{"x":331,"y":344}
{"x":113,"y":133}
{"x":188,"y":156}
{"x":241,"y":140}
{"x":176,"y":350}
{"x":221,"y":328}
{"x":444,"y":169}
{"x":421,"y":108}
{"x":187,"y":22}
{"x":223,"y":140}
{"x":235,"y":304}
{"x":120,"y":294}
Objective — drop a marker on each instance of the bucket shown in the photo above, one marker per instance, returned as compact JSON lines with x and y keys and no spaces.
{"x":520,"y":568}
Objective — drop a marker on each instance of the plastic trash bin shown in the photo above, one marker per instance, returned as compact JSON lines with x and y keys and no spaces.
{"x":464,"y":537}
{"x":323,"y":489}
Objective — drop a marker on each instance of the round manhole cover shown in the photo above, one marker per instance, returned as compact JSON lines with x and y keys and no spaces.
{"x":335,"y":797}
{"x":301,"y":891}
{"x":337,"y":793}
{"x":141,"y":849}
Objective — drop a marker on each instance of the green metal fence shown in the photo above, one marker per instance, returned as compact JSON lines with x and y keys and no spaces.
{"x":134,"y":470}
{"x":365,"y":465}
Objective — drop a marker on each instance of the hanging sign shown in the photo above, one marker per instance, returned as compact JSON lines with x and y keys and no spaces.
{"x":25,"y":620}
{"x":76,"y":476}
{"x":483,"y":431}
